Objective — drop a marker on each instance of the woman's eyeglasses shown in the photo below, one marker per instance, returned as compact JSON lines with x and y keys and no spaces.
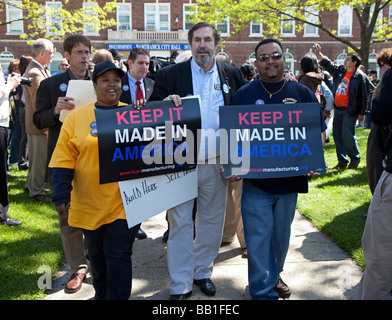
{"x":274,"y":56}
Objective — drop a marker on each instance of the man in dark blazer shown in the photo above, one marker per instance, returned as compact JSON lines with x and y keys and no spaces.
{"x":51,"y":99}
{"x":191,"y":260}
{"x":138,"y":63}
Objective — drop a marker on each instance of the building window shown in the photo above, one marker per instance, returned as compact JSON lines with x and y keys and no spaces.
{"x":187,"y":24}
{"x":378,"y":22}
{"x":372,"y":65}
{"x":345,"y":21}
{"x":256,"y":29}
{"x":157,"y":17}
{"x":252,"y":58}
{"x":289,"y":64}
{"x":287,"y":27}
{"x":340,"y":59}
{"x":54,"y":23}
{"x":14,"y":13}
{"x":5,"y":59}
{"x":390,"y":15}
{"x":311,"y":15}
{"x":224,"y":28}
{"x":90,"y":24}
{"x":124,"y":17}
{"x":54,"y":66}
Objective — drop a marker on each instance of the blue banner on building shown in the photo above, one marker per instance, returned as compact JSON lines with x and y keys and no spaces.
{"x":149,"y":46}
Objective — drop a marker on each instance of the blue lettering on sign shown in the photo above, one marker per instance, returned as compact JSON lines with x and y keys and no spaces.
{"x":273,"y":150}
{"x":141,"y":152}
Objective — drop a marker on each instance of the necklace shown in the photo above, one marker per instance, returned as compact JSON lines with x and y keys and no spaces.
{"x":271,"y":94}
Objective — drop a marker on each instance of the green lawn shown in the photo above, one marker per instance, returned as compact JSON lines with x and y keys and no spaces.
{"x":26,"y":248}
{"x":338,"y":200}
{"x":335,"y":204}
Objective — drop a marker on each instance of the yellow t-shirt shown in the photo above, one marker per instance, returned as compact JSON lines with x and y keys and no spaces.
{"x":92,"y":204}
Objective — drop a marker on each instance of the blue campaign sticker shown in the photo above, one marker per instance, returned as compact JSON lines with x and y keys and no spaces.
{"x":63,"y":87}
{"x":125,"y":87}
{"x":93,"y":125}
{"x":259,"y":102}
{"x":94,"y":132}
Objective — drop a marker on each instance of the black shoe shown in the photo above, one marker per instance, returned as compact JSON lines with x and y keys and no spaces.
{"x":182,"y":296}
{"x":141,"y":234}
{"x":11,"y":222}
{"x":42,"y":198}
{"x":206,"y":286}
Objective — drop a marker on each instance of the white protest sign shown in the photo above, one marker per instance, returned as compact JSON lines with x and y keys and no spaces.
{"x":146,"y":197}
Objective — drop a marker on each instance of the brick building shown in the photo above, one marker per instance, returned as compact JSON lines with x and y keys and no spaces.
{"x":161,"y":27}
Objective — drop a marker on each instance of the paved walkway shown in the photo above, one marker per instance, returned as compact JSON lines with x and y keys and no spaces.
{"x":315,"y":269}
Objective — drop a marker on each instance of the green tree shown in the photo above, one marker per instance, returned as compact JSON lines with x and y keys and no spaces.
{"x":55,"y":21}
{"x":272,"y":13}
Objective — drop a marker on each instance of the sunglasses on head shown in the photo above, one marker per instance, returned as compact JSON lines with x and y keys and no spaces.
{"x":274,"y":56}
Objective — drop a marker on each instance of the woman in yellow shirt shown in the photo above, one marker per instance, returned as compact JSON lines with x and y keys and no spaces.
{"x":96,"y":208}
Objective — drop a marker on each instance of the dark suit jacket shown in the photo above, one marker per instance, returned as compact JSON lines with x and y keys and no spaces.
{"x":126,"y":94}
{"x":48,"y":92}
{"x":177,"y":79}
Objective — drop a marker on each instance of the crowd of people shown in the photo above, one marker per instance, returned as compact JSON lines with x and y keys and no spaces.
{"x":258,"y":211}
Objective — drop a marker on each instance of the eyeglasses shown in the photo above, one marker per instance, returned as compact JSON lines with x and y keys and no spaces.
{"x":81,"y":52}
{"x":274,"y":56}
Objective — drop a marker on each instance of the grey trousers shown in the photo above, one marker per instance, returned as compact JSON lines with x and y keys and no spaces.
{"x":376,"y":282}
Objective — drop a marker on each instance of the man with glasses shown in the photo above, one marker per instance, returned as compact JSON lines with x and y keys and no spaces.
{"x":268,"y":205}
{"x":51,"y":99}
{"x":63,"y":66}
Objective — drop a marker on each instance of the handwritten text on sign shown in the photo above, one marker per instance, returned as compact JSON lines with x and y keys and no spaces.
{"x":147,"y":197}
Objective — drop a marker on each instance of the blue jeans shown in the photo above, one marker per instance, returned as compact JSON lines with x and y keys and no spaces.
{"x":344,"y":136}
{"x":110,"y":250}
{"x":267,"y":227}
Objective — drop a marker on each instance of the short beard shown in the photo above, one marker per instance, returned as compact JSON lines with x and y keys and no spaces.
{"x":204,"y":62}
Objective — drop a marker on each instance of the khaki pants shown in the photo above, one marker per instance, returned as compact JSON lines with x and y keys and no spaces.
{"x":233,"y":221}
{"x":37,"y":148}
{"x":190,"y":259}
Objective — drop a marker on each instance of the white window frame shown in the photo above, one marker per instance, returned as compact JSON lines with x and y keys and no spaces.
{"x":186,"y":12}
{"x":225,"y":24}
{"x":311,"y":15}
{"x":5,"y":59}
{"x":287,"y":23}
{"x":373,"y":62}
{"x":17,"y":26}
{"x":157,"y":13}
{"x":50,"y":19}
{"x":289,"y":62}
{"x":256,"y":34}
{"x":252,"y":58}
{"x":340,"y":58}
{"x":379,"y":19}
{"x":124,"y":9}
{"x":345,"y":19}
{"x":90,"y":30}
{"x":390,"y":14}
